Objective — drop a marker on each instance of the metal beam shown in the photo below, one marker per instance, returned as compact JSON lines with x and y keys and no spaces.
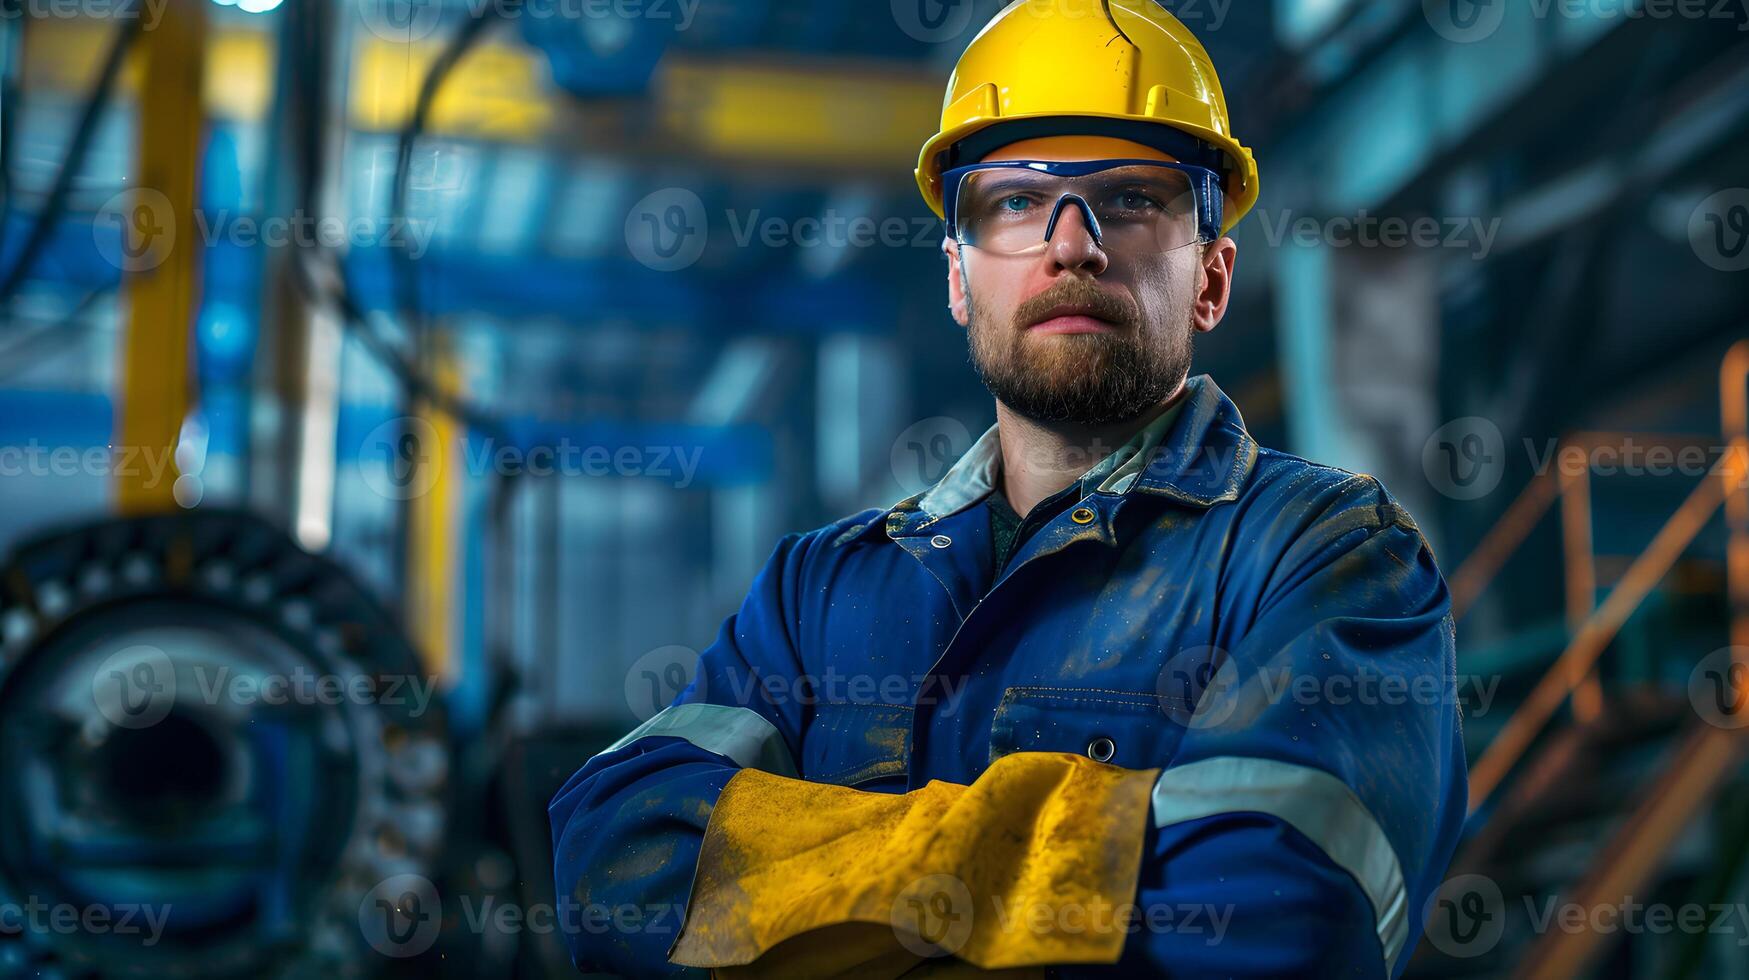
{"x":1734,"y":399}
{"x":295,"y":410}
{"x":865,"y":115}
{"x":432,"y":517}
{"x":156,"y":376}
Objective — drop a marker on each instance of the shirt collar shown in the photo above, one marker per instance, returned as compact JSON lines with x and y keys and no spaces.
{"x":1120,"y":471}
{"x":1198,"y":453}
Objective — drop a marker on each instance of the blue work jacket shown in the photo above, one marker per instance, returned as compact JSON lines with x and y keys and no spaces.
{"x":1271,"y":633}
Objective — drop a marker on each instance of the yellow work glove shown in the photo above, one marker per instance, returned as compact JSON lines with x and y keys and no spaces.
{"x":1027,"y":867}
{"x":861,"y":951}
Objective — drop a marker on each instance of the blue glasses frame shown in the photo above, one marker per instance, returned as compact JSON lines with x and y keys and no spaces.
{"x":1206,"y":182}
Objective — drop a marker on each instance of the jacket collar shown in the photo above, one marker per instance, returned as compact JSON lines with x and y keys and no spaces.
{"x":1202,"y":458}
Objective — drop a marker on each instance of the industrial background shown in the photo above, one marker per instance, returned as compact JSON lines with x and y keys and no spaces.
{"x":474,"y":354}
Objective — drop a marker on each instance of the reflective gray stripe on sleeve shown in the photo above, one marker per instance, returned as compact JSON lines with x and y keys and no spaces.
{"x":1311,"y":801}
{"x":742,"y":734}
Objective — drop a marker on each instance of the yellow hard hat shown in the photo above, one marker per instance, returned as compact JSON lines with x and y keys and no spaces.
{"x":1124,"y":68}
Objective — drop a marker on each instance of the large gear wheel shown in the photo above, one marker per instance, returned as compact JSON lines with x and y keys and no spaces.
{"x":207,"y":728}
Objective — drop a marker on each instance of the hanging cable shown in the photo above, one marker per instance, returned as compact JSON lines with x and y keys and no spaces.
{"x":77,"y":148}
{"x":357,"y":322}
{"x":406,"y":279}
{"x":320,"y":277}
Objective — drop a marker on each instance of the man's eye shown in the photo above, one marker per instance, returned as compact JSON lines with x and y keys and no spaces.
{"x":1016,"y":202}
{"x":1135,"y":201}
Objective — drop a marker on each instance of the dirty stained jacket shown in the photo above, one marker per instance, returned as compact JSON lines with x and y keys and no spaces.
{"x":1272,"y":634}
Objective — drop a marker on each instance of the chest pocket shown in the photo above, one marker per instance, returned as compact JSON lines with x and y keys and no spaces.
{"x":1123,"y":728}
{"x":848,"y":744}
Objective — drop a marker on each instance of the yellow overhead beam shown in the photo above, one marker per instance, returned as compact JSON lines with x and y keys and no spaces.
{"x":801,"y":113}
{"x":806,"y":114}
{"x":66,"y":56}
{"x":499,"y":91}
{"x":869,"y":116}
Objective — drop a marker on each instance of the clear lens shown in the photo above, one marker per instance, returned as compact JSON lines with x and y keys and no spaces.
{"x":1140,"y":209}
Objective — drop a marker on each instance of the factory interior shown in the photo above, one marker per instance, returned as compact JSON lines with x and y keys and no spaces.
{"x":435,"y":376}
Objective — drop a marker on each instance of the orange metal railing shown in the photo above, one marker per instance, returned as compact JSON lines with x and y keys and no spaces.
{"x":1734,"y":389}
{"x":1500,"y":543}
{"x":1592,"y":626}
{"x":1710,"y":754}
{"x":1571,"y":486}
{"x":1599,"y":628}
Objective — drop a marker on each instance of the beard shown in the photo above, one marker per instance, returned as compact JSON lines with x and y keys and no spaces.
{"x":1080,"y":379}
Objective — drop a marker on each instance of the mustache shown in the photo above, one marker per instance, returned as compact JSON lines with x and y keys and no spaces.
{"x":1111,"y":307}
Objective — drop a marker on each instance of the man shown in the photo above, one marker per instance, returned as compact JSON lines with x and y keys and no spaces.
{"x":1115,"y":713}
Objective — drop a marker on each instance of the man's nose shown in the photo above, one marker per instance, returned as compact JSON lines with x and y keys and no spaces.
{"x":1072,"y":245}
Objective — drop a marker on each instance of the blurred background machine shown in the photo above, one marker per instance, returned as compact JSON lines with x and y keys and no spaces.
{"x":490,"y":347}
{"x":145,"y":768}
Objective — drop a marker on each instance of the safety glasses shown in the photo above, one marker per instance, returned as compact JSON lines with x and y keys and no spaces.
{"x":1138,"y":207}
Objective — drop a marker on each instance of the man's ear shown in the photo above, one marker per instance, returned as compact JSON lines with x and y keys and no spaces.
{"x":956,"y":282}
{"x":1216,"y":285}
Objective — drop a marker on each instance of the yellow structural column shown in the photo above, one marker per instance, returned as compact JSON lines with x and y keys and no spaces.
{"x":157,"y":383}
{"x":432,"y":558}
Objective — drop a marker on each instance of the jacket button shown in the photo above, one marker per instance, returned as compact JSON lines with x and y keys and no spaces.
{"x":1083,"y":515}
{"x":941,"y":541}
{"x":1101,"y":749}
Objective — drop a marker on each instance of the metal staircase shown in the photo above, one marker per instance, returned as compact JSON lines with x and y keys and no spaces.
{"x":1589,"y":807}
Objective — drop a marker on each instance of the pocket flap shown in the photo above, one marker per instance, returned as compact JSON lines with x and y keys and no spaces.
{"x":1124,"y":728}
